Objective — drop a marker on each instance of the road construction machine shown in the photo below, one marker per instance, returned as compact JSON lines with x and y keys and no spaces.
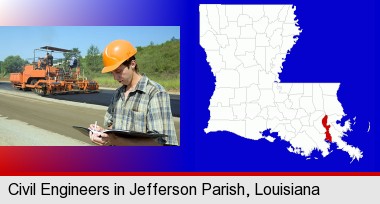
{"x":47,"y":76}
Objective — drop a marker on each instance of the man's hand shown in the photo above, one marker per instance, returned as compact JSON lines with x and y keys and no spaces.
{"x":97,"y":135}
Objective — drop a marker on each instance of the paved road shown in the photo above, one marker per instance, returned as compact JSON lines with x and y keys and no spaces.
{"x":102,"y":98}
{"x":44,"y":114}
{"x":29,"y":119}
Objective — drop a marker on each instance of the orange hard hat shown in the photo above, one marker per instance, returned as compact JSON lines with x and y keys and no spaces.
{"x":116,"y":53}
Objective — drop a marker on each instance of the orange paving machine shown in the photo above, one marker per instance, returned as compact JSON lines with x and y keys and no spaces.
{"x":48,"y":76}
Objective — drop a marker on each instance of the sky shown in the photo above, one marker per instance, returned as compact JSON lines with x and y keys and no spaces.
{"x":22,"y":40}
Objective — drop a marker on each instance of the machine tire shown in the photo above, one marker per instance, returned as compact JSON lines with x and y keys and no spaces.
{"x":42,"y":91}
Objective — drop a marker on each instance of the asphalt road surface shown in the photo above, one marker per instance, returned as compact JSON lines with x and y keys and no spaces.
{"x":102,"y":98}
{"x":29,"y":119}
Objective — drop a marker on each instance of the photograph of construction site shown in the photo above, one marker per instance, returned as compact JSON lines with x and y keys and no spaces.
{"x":55,"y":77}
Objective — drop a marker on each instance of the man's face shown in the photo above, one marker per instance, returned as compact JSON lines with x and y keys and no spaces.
{"x":123,"y":74}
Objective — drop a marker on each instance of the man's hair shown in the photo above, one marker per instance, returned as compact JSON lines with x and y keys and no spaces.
{"x":128,"y":62}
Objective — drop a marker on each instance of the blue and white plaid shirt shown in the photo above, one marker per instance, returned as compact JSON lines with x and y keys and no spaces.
{"x":146,"y":109}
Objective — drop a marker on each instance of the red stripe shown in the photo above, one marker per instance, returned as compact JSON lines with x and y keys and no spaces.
{"x":190,"y":174}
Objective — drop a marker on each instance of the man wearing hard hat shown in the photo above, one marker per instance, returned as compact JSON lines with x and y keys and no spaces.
{"x":139,"y":105}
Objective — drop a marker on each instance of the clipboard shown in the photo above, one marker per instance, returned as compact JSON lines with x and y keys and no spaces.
{"x":122,"y":133}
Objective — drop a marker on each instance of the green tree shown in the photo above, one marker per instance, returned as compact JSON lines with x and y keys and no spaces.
{"x":14,"y":64}
{"x":161,"y":61}
{"x":93,"y":59}
{"x":2,"y":71}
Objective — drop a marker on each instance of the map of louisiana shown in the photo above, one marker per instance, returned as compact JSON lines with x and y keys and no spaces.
{"x":246,"y":47}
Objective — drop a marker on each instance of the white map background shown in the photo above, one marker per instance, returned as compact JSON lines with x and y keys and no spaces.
{"x":246,"y":47}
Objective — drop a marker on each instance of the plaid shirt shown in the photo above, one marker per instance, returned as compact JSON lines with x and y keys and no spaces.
{"x":146,"y":109}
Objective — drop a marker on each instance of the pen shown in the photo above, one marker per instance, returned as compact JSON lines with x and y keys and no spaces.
{"x":95,"y":128}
